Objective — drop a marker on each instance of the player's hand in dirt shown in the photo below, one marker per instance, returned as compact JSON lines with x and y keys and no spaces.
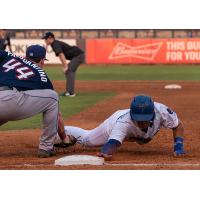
{"x":179,"y":153}
{"x":105,"y":156}
{"x":178,"y":147}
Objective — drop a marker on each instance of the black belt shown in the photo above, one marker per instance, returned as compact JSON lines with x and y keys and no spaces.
{"x":2,"y":88}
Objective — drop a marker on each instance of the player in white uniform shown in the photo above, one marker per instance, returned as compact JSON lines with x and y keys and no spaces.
{"x":139,"y":124}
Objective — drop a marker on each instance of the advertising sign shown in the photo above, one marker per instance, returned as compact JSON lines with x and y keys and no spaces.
{"x":141,"y":51}
{"x":19,"y":47}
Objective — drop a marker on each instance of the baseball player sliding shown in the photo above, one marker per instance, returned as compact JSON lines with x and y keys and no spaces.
{"x":25,"y":90}
{"x":139,"y":124}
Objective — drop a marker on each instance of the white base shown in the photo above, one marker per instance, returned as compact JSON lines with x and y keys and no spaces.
{"x":173,"y":86}
{"x":79,"y":160}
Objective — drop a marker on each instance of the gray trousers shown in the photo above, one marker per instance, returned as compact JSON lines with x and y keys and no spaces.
{"x":71,"y":72}
{"x":16,"y":105}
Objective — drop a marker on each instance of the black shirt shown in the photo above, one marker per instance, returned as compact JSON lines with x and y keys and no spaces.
{"x":21,"y":73}
{"x":69,"y":51}
{"x":4,"y":42}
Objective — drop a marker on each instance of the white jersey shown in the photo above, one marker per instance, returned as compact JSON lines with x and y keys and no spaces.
{"x":120,"y":126}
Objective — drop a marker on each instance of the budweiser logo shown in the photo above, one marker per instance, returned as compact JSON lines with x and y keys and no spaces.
{"x":145,"y":52}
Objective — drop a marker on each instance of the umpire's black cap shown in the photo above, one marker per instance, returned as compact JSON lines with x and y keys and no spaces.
{"x":47,"y":35}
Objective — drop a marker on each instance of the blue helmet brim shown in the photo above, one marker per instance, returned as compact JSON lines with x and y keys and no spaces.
{"x":142,"y":118}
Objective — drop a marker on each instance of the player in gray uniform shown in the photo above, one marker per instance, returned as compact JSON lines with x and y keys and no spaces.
{"x":139,"y":124}
{"x":25,"y":91}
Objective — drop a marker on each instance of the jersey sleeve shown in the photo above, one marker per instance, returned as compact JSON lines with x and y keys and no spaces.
{"x":119,"y":132}
{"x":169,"y":117}
{"x":57,"y":48}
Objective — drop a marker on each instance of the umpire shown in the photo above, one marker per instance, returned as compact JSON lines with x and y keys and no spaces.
{"x":66,"y":52}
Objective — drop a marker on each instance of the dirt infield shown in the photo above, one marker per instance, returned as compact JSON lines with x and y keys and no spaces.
{"x":18,"y":149}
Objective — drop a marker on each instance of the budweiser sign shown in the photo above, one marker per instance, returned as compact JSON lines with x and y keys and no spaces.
{"x":145,"y":52}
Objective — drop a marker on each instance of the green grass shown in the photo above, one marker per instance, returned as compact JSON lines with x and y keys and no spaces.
{"x":130,"y":72}
{"x":68,"y":106}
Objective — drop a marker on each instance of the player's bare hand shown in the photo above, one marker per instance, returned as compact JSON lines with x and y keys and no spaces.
{"x":179,"y":153}
{"x":105,"y":156}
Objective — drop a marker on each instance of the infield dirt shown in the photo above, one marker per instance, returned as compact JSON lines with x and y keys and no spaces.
{"x":18,"y":149}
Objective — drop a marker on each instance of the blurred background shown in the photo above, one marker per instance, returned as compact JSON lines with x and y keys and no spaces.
{"x":84,"y":34}
{"x":107,"y":46}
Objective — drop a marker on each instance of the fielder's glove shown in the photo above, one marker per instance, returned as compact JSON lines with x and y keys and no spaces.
{"x":61,"y":144}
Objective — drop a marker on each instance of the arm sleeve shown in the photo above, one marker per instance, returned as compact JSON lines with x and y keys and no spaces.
{"x":119,"y":131}
{"x":115,"y":139}
{"x":169,"y":118}
{"x":57,"y":48}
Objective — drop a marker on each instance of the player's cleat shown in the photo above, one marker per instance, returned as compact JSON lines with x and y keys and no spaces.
{"x":45,"y":154}
{"x":67,"y":94}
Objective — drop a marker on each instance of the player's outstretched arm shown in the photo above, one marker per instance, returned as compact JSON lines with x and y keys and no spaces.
{"x":65,"y":140}
{"x":61,"y":130}
{"x":109,"y":148}
{"x":178,"y":133}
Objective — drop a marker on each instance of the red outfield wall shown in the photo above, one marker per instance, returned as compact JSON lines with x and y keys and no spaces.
{"x":143,"y":51}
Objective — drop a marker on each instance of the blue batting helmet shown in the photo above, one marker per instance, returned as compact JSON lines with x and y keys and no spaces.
{"x":142,"y":108}
{"x":36,"y":51}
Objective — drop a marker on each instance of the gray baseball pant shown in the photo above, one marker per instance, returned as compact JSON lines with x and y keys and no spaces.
{"x":71,"y":72}
{"x":16,"y":105}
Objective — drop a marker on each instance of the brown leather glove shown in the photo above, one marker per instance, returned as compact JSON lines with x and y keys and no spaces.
{"x":64,"y":144}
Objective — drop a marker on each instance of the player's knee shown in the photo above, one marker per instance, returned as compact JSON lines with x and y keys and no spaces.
{"x":53,"y":95}
{"x":70,"y":70}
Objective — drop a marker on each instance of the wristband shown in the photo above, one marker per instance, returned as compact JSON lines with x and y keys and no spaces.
{"x":178,"y":145}
{"x":110,"y":147}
